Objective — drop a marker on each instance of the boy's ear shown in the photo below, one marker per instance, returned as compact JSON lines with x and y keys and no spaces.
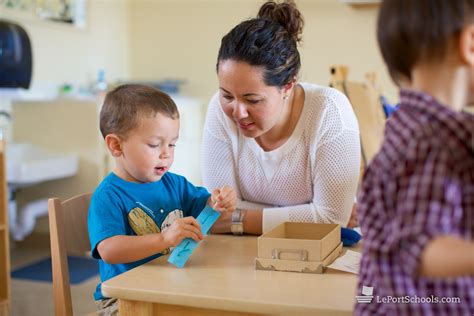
{"x":466,"y":43}
{"x":114,"y":144}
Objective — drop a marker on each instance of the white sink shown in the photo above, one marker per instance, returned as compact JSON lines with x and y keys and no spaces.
{"x":28,"y":164}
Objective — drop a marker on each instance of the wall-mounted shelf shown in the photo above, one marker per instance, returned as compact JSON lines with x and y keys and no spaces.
{"x":70,"y":14}
{"x":362,"y":3}
{"x":4,"y":307}
{"x":4,"y":236}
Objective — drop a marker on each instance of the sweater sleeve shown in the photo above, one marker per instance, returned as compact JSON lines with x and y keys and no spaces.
{"x":335,"y":163}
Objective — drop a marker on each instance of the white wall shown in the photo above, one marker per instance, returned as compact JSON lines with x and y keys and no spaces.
{"x":156,"y":39}
{"x":63,"y":53}
{"x":181,"y":38}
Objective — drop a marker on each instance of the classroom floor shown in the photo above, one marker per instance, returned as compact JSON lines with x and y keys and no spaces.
{"x":35,"y":298}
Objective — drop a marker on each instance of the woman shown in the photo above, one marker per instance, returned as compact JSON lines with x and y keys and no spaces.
{"x":290,"y":150}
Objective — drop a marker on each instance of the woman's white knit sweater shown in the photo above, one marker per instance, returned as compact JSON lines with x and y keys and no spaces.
{"x":312,"y":177}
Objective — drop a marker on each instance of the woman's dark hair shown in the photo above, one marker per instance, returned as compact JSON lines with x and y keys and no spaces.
{"x":414,"y":31}
{"x":125,"y":105}
{"x":268,"y":41}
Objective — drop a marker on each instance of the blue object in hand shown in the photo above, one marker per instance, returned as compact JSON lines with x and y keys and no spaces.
{"x":183,"y":251}
{"x":349,"y":237}
{"x":387,"y":107}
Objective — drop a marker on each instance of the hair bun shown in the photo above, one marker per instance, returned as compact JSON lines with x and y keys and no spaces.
{"x":286,"y":14}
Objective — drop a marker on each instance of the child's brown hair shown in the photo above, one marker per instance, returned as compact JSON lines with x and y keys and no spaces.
{"x":414,"y":31}
{"x":124,"y":106}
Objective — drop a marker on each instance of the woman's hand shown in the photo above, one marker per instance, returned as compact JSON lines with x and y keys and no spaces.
{"x":353,"y":221}
{"x":223,"y":224}
{"x":187,"y":227}
{"x":224,"y":199}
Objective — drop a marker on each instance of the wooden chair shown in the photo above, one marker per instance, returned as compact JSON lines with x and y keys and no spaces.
{"x":365,"y":100}
{"x":69,"y":235}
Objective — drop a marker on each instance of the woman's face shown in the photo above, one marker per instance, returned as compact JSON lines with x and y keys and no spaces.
{"x":245,"y":98}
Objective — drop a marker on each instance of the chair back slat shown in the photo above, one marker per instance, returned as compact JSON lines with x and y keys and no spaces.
{"x":68,"y":235}
{"x":75,"y":219}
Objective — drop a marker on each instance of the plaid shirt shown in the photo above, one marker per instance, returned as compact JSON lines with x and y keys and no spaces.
{"x":419,"y":186}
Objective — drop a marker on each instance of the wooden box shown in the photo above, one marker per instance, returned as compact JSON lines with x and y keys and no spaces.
{"x":299,"y":247}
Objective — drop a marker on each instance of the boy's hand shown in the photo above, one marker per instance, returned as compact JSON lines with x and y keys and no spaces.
{"x":224,"y":199}
{"x":187,"y":227}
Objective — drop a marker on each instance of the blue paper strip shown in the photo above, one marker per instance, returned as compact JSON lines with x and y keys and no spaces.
{"x":183,"y":251}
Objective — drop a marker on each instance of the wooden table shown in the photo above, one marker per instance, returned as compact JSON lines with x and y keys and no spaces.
{"x":220,"y":279}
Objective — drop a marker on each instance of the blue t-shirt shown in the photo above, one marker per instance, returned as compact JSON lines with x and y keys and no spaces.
{"x":119,"y":207}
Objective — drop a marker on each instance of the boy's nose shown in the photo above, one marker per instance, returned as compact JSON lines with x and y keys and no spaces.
{"x":165,"y":153}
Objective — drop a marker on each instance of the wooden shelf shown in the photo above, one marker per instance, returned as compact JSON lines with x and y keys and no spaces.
{"x":4,"y":243}
{"x":361,"y":4}
{"x":4,"y":308}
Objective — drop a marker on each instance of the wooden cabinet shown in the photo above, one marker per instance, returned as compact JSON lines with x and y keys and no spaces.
{"x":4,"y":241}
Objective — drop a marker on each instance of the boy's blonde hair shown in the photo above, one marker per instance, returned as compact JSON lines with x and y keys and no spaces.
{"x":126,"y":104}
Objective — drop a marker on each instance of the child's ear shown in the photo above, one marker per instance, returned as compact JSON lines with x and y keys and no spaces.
{"x":114,"y":144}
{"x":466,"y":43}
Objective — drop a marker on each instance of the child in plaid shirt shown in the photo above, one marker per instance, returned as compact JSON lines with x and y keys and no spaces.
{"x":417,"y":199}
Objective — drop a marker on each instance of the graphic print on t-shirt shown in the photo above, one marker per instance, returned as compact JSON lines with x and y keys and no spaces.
{"x":143,"y":224}
{"x":170,"y":218}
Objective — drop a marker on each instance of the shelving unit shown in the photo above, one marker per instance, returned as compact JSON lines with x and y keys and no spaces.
{"x":4,"y":235}
{"x":363,"y":3}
